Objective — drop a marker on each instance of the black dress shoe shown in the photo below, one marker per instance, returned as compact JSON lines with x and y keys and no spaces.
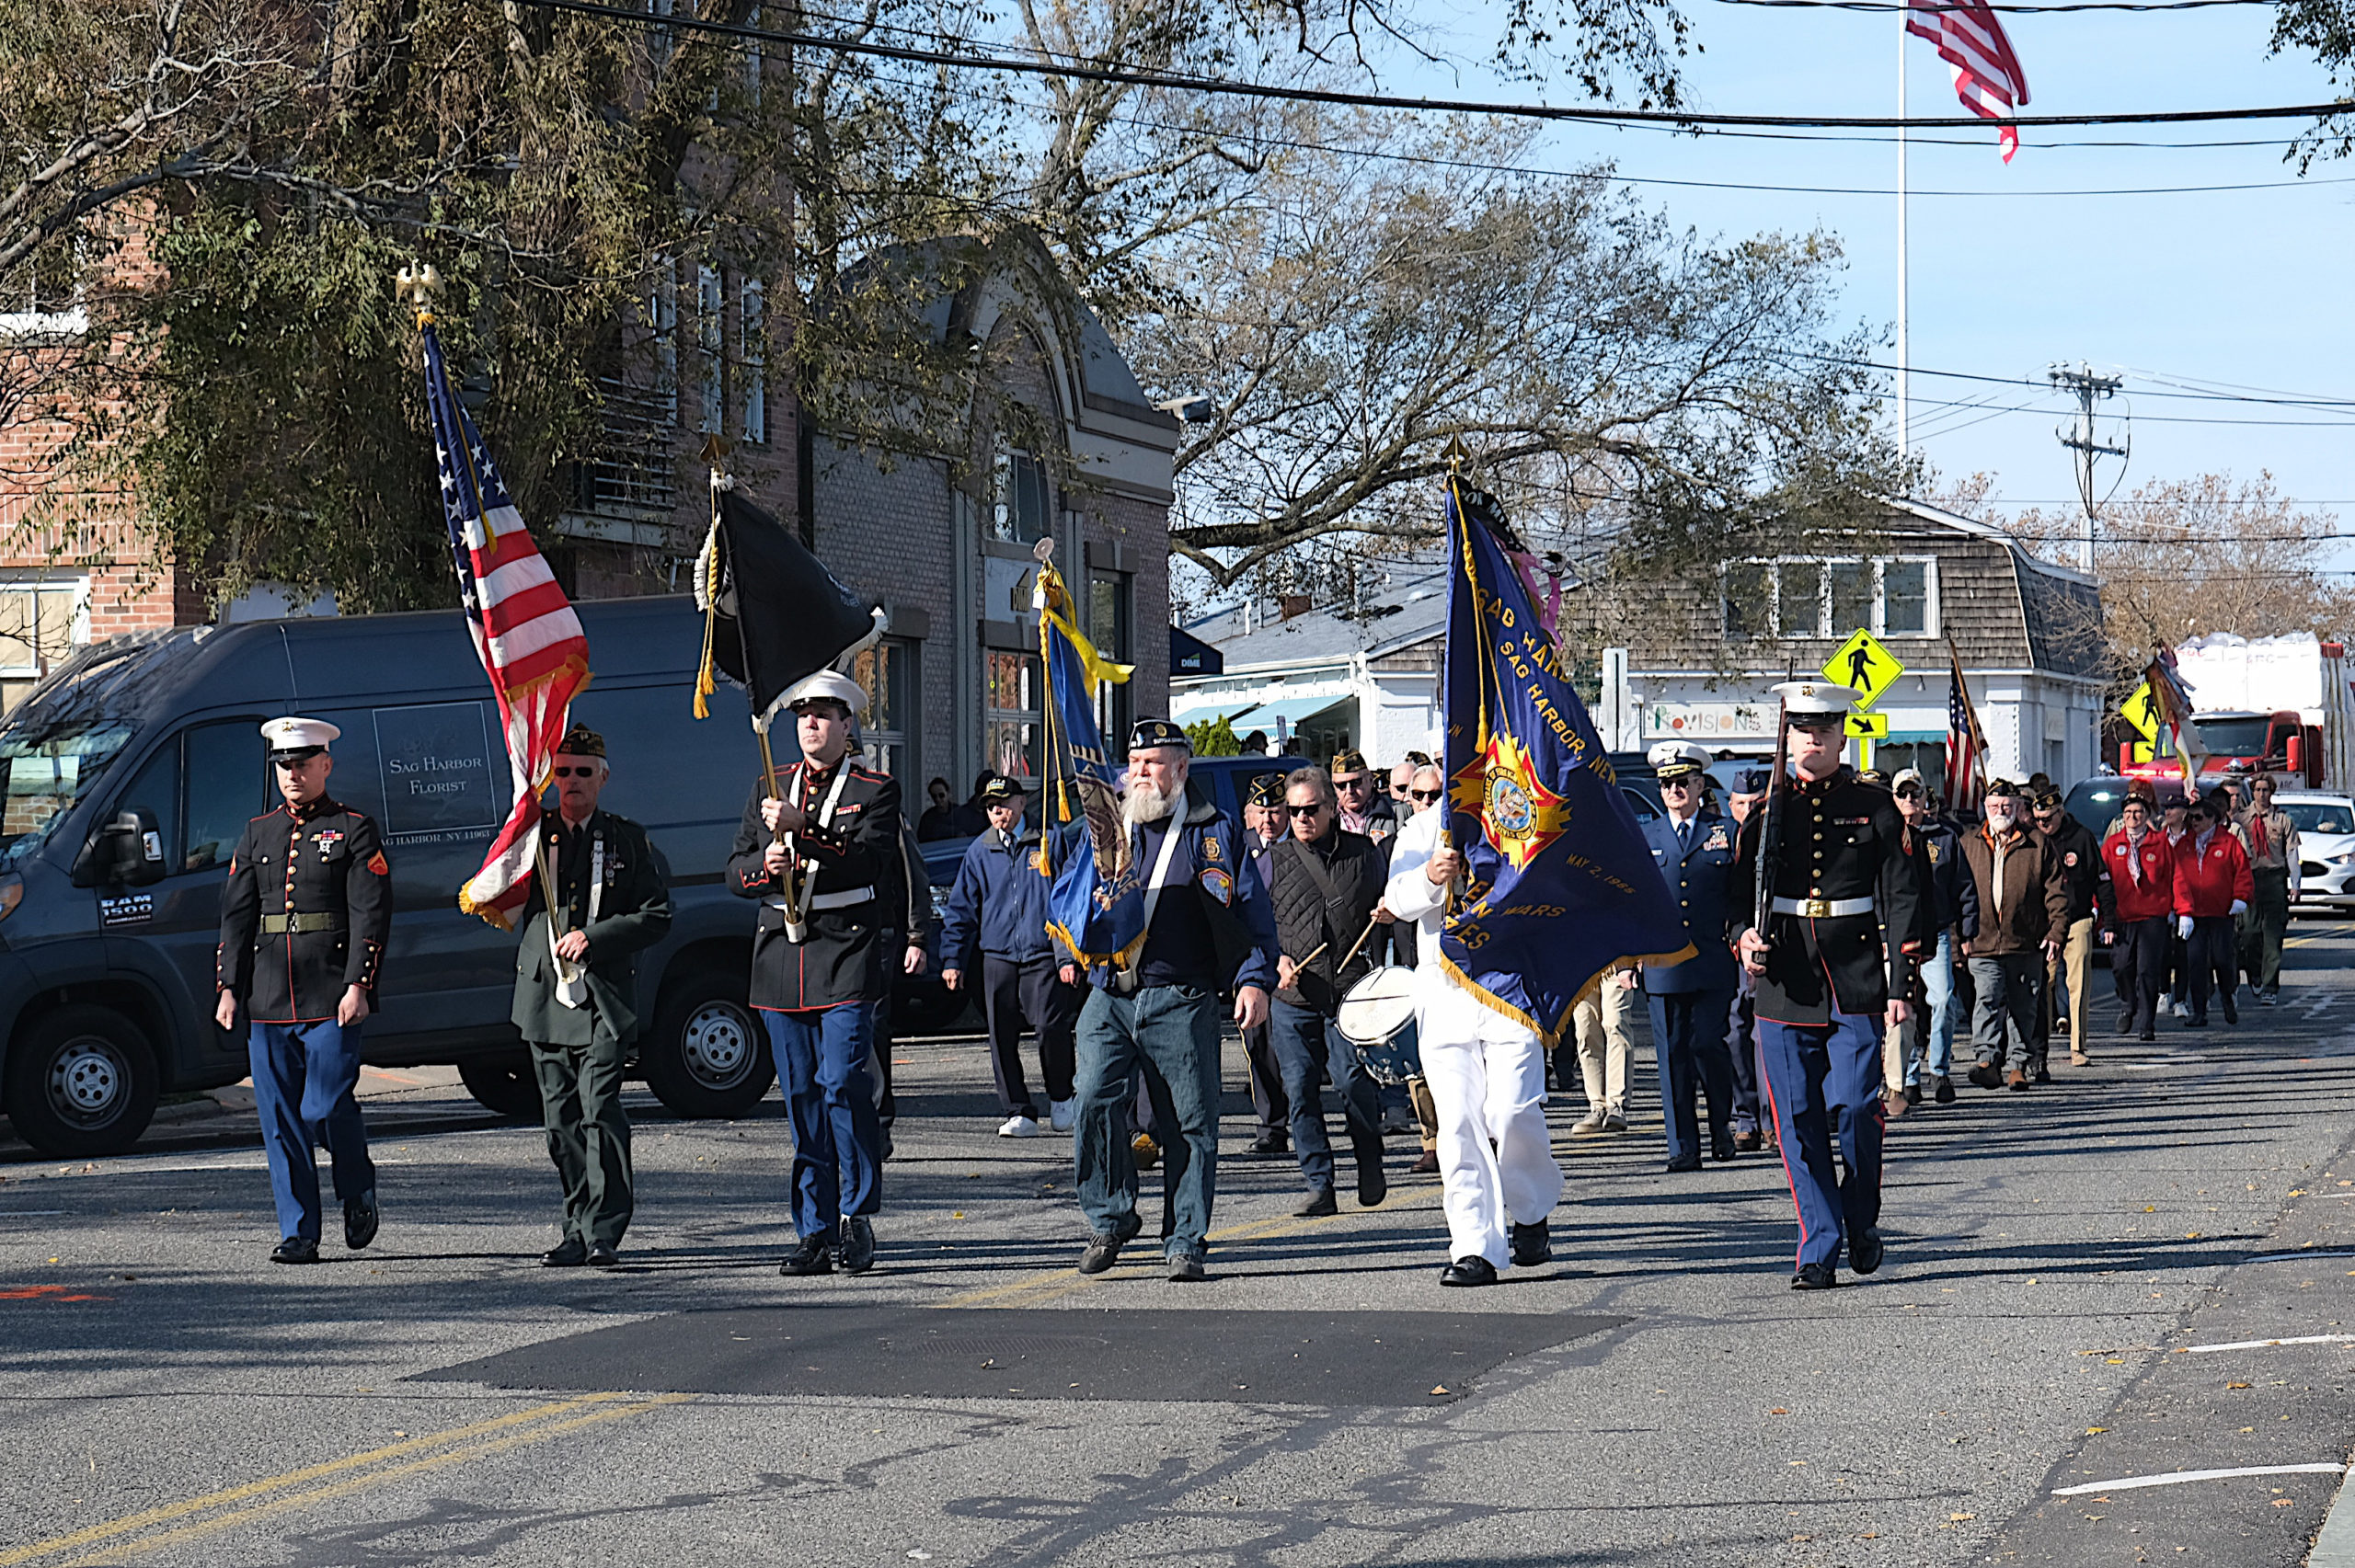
{"x":1942,"y":1089}
{"x":1372,"y":1186}
{"x":1473,"y":1270}
{"x":1532,"y":1244}
{"x":2042,"y":1075}
{"x":2194,"y":1022}
{"x":1721,"y":1144}
{"x":1815,"y":1276}
{"x":811,"y":1255}
{"x":1104,"y":1251}
{"x":2232,"y":1010}
{"x":295,"y":1249}
{"x":1691,"y":1162}
{"x":1865,"y":1251}
{"x":1987,"y":1075}
{"x":857,"y":1250}
{"x":570,"y":1253}
{"x":1317,"y":1204}
{"x":602,"y":1256}
{"x":2147,"y":1035}
{"x":360,"y":1220}
{"x":1271,"y":1143}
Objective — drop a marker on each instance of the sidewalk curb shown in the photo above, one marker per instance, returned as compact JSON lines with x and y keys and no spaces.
{"x":2335,"y":1544}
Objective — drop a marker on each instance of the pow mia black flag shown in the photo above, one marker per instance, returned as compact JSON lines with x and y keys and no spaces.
{"x":772,"y":615}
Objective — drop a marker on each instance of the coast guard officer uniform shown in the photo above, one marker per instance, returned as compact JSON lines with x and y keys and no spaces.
{"x":1693,"y":845}
{"x":1843,"y":922}
{"x":303,"y":921}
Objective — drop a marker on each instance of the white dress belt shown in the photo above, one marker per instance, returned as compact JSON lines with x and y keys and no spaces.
{"x":1823,"y":908}
{"x":842,"y":899}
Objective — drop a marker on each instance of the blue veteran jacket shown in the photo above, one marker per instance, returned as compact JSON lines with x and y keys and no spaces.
{"x":998,"y":905}
{"x":1702,"y":880}
{"x":1213,"y":857}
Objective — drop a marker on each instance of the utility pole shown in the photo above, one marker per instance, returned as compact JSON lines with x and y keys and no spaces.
{"x":2086,"y":388}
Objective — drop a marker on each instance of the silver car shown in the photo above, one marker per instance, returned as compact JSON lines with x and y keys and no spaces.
{"x":2325,"y":848}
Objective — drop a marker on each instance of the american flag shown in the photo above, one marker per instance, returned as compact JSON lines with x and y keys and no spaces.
{"x":1987,"y":74}
{"x":1966,"y":745}
{"x":529,"y":640}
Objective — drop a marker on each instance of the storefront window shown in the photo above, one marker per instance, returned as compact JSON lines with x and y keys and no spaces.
{"x":1108,"y":629}
{"x":888,"y":728}
{"x":1012,"y":730}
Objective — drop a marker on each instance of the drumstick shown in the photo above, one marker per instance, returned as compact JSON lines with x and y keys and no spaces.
{"x":1304,"y":963}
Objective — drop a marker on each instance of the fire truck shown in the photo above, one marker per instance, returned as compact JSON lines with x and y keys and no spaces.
{"x":2273,"y":704}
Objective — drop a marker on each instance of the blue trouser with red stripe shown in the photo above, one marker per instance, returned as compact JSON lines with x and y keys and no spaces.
{"x":1823,"y":1083}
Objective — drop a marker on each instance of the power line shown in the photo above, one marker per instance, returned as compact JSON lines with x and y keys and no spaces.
{"x":1179,"y":82}
{"x":2287,"y":400}
{"x":2028,"y":9}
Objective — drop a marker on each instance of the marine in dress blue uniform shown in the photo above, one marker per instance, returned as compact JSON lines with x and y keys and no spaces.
{"x":1693,"y":845}
{"x":303,"y":921}
{"x":1833,"y":968}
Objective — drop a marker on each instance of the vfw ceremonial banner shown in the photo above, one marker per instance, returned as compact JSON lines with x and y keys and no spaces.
{"x":1560,"y":885}
{"x":1096,"y":907}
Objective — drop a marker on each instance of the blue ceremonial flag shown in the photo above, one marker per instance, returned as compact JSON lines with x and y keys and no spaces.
{"x":1558,"y":883}
{"x":1096,"y":907}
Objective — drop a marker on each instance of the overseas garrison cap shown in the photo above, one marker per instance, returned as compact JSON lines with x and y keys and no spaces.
{"x":2005,"y":788}
{"x":292,"y":739}
{"x":1002,"y":788}
{"x":1152,"y":732}
{"x":1751,"y":781}
{"x":1815,"y":698}
{"x":826,"y":686}
{"x":1268,"y":789}
{"x":582,"y":742}
{"x":1677,"y":759}
{"x":1347,"y":763}
{"x":2047,"y":798}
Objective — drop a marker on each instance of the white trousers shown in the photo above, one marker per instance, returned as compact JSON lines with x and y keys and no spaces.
{"x":1487,"y":1082}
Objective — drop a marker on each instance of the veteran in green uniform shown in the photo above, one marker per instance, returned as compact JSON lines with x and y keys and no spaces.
{"x":576,"y":990}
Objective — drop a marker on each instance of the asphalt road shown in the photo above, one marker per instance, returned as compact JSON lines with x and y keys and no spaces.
{"x":2063,"y":1266}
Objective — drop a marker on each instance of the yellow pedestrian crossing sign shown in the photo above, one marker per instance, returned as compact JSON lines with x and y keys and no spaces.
{"x":1864,"y":667}
{"x":1868,"y":726}
{"x":2142,"y":711}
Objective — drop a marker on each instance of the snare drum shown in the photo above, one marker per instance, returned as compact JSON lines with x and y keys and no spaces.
{"x":1378,"y":1017}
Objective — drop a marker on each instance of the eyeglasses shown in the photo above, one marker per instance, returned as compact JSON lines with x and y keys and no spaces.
{"x":1680,"y":785}
{"x":1909,"y":793}
{"x":574,"y":773}
{"x":1428,"y":796}
{"x":1357,"y":783}
{"x":1312,"y":809}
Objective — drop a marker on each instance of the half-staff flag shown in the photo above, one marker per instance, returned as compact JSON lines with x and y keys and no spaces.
{"x":1558,"y":885}
{"x":1096,"y":905}
{"x":529,"y":640}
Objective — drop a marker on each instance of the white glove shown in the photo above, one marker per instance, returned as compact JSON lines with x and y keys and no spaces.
{"x":2240,"y":906}
{"x":2183,"y":926}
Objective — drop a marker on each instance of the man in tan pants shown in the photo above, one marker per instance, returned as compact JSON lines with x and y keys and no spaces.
{"x":1603,"y":1052}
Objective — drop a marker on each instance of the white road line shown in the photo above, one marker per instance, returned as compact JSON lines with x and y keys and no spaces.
{"x":2263,"y":1344}
{"x":2134,"y":1482}
{"x":28,"y":1213}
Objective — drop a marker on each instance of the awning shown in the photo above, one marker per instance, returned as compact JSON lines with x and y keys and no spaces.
{"x":1247,"y":713}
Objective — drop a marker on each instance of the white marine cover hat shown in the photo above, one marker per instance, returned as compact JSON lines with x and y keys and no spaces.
{"x":1815,"y":698}
{"x":291,"y":738}
{"x":826,"y":686}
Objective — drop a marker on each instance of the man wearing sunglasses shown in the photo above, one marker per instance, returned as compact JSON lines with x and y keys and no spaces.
{"x":1364,"y":810}
{"x":1267,"y":821}
{"x":1832,"y":968}
{"x":1693,"y":845}
{"x":597,"y":902}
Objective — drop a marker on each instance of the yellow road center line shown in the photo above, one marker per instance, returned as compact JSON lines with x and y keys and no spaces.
{"x":203,"y":1528}
{"x":138,"y":1522}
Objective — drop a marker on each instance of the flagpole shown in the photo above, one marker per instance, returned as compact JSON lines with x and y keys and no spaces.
{"x":1904,"y":447}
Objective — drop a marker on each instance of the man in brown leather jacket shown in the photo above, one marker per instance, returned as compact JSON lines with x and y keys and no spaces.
{"x":2023,"y":913}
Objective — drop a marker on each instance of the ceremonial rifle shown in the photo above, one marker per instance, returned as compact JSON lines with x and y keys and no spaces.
{"x":1770,"y":847}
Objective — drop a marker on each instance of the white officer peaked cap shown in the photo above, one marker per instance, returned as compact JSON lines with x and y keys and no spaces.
{"x":298,"y":737}
{"x":1677,"y":752}
{"x":1809,"y":699}
{"x":826,"y":686}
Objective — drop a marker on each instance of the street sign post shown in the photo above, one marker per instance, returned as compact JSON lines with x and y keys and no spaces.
{"x":1864,"y":667}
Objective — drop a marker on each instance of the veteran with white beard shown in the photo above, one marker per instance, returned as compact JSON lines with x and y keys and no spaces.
{"x":1498,"y":1180}
{"x":1206,"y":926}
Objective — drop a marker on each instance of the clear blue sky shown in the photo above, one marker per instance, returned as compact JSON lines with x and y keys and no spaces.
{"x":2243,"y":287}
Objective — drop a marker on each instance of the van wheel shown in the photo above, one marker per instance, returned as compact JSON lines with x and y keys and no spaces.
{"x":502,"y":1085}
{"x":707,"y":1055}
{"x":81,"y":1081}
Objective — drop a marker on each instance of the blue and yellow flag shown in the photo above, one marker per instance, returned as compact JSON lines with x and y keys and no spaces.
{"x":1558,"y":883}
{"x":1096,"y":907}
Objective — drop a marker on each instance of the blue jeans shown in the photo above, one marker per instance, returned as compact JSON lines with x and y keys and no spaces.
{"x":1823,"y":1086}
{"x":1171,"y":1033}
{"x":303,"y":1076}
{"x":825,"y":1061}
{"x":1935,"y":1054}
{"x":1309,"y":1042}
{"x":1689,"y":1047}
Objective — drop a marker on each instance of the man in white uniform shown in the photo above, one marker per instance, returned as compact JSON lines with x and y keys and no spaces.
{"x":1487,"y":1075}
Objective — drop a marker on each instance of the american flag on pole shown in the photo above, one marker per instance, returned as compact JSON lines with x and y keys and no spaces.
{"x":525,"y":633}
{"x":1966,"y":745}
{"x":1987,"y":74}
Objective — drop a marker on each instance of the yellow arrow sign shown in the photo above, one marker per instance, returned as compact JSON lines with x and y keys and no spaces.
{"x":1868,"y":726}
{"x":2142,"y":711}
{"x":1864,"y":667}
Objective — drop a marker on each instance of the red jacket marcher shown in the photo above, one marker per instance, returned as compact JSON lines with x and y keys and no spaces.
{"x":2206,"y":885}
{"x":2154,"y":896}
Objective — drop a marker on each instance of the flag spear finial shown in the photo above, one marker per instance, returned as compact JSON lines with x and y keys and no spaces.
{"x":416,"y":286}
